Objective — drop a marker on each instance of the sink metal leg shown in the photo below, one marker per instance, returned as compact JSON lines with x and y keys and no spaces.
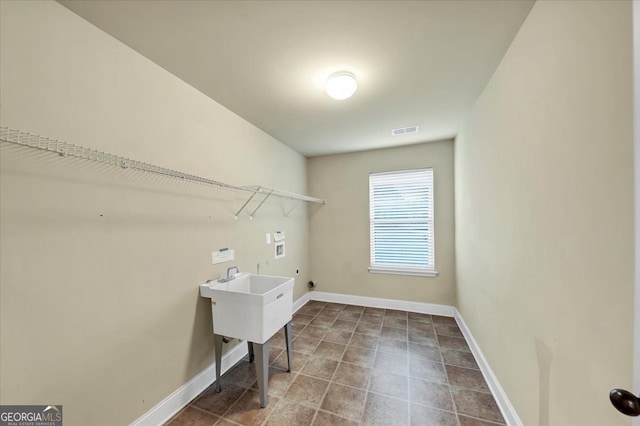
{"x":287,"y":336}
{"x":262,"y":370}
{"x":217,"y":342}
{"x":251,"y":355}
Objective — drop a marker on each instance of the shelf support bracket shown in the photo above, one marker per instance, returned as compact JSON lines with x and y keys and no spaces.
{"x":245,"y":204}
{"x":65,"y":149}
{"x":261,"y":203}
{"x":295,"y":204}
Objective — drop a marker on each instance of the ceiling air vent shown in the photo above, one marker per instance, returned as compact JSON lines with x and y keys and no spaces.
{"x":405,"y":130}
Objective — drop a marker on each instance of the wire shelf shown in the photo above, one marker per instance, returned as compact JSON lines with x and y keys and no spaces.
{"x":66,"y":149}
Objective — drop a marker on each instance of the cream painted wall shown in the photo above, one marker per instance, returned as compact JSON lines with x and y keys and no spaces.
{"x":544,"y":214}
{"x":100,"y":309}
{"x":339,"y":231}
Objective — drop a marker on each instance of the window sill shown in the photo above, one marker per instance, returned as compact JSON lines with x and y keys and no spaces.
{"x":397,"y":271}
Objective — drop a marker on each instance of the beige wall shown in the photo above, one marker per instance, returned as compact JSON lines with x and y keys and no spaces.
{"x":100,"y":267}
{"x":339,"y":231}
{"x":544,"y":214}
{"x":99,"y":307}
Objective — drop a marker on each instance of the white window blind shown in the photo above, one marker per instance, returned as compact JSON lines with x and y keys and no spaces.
{"x":401,"y":222}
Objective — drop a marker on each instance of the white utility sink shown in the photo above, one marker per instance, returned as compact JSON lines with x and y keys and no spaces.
{"x":250,"y":307}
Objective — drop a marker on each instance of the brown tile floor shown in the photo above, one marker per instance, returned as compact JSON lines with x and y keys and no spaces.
{"x":354,"y":365}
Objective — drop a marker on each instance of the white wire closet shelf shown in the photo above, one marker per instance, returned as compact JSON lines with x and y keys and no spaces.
{"x":65,"y":149}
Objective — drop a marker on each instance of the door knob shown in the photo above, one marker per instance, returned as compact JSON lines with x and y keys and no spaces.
{"x":625,"y":402}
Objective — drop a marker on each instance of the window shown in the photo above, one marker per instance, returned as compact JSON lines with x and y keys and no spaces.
{"x":401,"y":222}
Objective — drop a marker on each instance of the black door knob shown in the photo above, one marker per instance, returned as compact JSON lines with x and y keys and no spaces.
{"x":625,"y":402}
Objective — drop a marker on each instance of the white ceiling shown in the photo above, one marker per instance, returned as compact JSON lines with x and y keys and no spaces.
{"x":418,"y":62}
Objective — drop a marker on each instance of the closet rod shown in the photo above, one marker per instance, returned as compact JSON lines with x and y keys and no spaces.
{"x":71,"y":150}
{"x":284,"y":194}
{"x":65,"y":149}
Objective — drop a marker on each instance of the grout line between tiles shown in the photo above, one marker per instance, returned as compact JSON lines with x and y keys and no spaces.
{"x":227,"y":420}
{"x":436,"y":408}
{"x":235,"y":402}
{"x":446,"y":373}
{"x":376,"y":350}
{"x":168,"y":422}
{"x":201,"y":409}
{"x":491,"y":422}
{"x":334,"y":375}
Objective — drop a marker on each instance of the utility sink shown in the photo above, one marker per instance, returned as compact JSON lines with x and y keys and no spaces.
{"x":250,"y":307}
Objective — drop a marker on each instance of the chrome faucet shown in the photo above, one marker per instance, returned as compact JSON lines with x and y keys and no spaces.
{"x":231,"y":272}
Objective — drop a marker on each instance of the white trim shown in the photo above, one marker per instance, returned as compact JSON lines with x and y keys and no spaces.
{"x":398,"y":271}
{"x":375,"y":302}
{"x":508,"y":411}
{"x":386,"y":246}
{"x":506,"y":408}
{"x":173,"y":403}
{"x":301,"y":301}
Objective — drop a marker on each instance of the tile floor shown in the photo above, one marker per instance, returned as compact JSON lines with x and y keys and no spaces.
{"x":356,"y":366}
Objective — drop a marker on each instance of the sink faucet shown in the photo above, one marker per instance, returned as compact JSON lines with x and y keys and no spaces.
{"x":231,"y":272}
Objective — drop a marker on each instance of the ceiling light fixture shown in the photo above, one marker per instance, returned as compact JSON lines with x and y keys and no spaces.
{"x":341,"y":85}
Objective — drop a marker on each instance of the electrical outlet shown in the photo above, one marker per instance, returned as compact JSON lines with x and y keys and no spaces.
{"x":268,"y":237}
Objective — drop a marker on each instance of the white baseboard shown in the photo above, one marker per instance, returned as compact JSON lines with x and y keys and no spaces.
{"x":173,"y":403}
{"x":301,"y":301}
{"x":375,"y":302}
{"x":508,"y":411}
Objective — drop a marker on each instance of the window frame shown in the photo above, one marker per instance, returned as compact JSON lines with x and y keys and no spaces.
{"x":403,"y":269}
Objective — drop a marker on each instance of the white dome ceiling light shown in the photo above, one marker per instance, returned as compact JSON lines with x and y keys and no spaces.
{"x":341,"y":85}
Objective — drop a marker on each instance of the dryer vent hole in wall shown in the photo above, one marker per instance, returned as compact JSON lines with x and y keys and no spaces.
{"x":311,"y":284}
